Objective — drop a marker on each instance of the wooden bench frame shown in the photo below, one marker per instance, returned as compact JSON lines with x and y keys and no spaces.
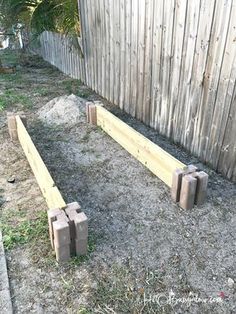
{"x":188,"y":186}
{"x":68,"y":225}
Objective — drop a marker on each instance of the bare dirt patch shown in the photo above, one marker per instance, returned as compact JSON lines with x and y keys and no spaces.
{"x":146,"y":254}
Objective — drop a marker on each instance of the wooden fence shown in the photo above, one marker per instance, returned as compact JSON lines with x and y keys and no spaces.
{"x":169,"y":63}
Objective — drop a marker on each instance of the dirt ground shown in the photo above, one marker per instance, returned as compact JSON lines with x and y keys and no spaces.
{"x":146,"y":255}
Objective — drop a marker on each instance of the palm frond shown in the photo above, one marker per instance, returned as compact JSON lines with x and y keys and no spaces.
{"x":52,"y":15}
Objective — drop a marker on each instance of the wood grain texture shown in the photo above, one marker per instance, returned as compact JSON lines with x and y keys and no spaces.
{"x":171,"y":64}
{"x":47,"y":185}
{"x":151,"y":155}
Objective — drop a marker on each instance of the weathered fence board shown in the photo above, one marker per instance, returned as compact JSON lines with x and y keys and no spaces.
{"x":169,"y":63}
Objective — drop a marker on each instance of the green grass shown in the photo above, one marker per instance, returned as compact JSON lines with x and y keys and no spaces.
{"x":11,"y":97}
{"x":9,"y":57}
{"x":43,"y":91}
{"x":11,"y":78}
{"x":18,"y":229}
{"x":84,"y":93}
{"x":84,"y":310}
{"x":71,"y":86}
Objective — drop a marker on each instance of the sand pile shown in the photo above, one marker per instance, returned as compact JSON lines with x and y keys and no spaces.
{"x":63,"y":110}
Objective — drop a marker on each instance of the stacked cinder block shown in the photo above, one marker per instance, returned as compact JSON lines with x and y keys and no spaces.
{"x":91,"y":112}
{"x":189,"y":187}
{"x":68,"y":229}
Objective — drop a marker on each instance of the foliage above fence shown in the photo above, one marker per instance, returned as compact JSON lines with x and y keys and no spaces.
{"x":40,"y":15}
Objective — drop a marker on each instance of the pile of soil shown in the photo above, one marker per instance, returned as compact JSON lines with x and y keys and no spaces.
{"x":64,"y":110}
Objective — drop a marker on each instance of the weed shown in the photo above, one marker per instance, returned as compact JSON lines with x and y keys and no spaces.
{"x":83,"y":310}
{"x":11,"y":97}
{"x":43,"y":91}
{"x":67,"y":284}
{"x":71,"y":86}
{"x":24,"y":230}
{"x":84,"y":93}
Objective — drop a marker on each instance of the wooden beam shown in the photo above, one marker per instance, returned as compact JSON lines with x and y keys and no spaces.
{"x":156,"y":159}
{"x":48,"y":187}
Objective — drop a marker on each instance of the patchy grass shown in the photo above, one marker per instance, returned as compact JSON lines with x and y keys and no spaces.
{"x":11,"y":97}
{"x":17,"y":229}
{"x":9,"y":57}
{"x":11,"y":78}
{"x":84,"y":310}
{"x":71,"y":86}
{"x":119,"y":291}
{"x":84,"y":93}
{"x":42,"y":91}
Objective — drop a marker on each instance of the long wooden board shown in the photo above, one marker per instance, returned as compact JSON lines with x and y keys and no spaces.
{"x":156,"y":159}
{"x":48,"y":187}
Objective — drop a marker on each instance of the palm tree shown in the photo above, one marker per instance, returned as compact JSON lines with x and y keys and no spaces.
{"x":39,"y":15}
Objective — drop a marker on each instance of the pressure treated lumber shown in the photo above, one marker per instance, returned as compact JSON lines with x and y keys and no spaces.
{"x":161,"y":163}
{"x":68,"y":226}
{"x":48,"y":187}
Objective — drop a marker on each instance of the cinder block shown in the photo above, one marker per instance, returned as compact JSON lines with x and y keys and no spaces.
{"x":188,"y":191}
{"x":11,"y":120}
{"x":72,"y":229}
{"x":190,"y":169}
{"x":62,"y":253}
{"x":61,"y":232}
{"x":72,"y":208}
{"x":72,"y":236}
{"x":81,"y":247}
{"x":92,"y":114}
{"x":176,"y":184}
{"x":13,"y":134}
{"x":12,"y":127}
{"x":72,"y":247}
{"x":52,"y":214}
{"x":201,"y":190}
{"x":72,"y":215}
{"x":81,"y":226}
{"x":62,"y":216}
{"x":88,"y":104}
